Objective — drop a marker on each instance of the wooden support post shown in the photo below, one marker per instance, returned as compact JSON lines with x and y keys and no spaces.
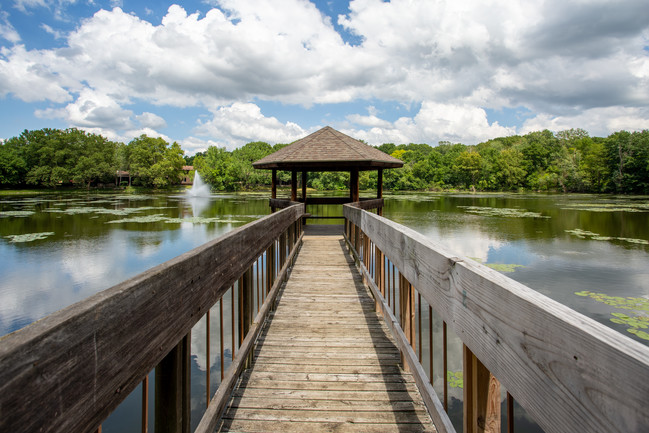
{"x":172,"y":393}
{"x":304,"y":186}
{"x":282,"y":249}
{"x":293,"y":185}
{"x":145,"y":404}
{"x":481,"y":397}
{"x":273,"y":187}
{"x":379,"y":190}
{"x":380,"y":274}
{"x":248,"y":314}
{"x":353,"y":185}
{"x":407,"y":313}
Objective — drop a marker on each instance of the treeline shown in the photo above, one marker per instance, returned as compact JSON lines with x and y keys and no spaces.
{"x":71,"y":157}
{"x":567,"y":161}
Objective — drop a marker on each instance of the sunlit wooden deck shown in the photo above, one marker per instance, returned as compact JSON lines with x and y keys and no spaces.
{"x":325,"y":360}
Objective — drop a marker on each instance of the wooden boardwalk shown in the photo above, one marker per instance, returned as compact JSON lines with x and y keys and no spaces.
{"x":325,"y":360}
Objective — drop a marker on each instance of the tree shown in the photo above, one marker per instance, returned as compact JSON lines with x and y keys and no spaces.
{"x":153,"y":162}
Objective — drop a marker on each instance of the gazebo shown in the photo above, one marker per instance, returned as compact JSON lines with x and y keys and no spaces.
{"x":327,"y":150}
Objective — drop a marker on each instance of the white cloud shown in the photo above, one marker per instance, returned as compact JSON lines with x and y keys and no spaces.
{"x":240,"y":123}
{"x":151,"y":120}
{"x":7,"y":31}
{"x":561,"y":59}
{"x":597,"y":121}
{"x":433,"y":123}
{"x":56,"y":33}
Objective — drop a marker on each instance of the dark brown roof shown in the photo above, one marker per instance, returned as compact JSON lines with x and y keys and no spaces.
{"x":328,"y":150}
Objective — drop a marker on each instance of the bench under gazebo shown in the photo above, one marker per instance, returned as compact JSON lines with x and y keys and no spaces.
{"x":327,"y":150}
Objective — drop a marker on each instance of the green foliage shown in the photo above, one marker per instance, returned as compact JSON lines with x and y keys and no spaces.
{"x":567,"y":161}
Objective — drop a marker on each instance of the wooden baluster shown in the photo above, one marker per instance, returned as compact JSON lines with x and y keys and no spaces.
{"x":172,"y":393}
{"x":419,"y":323}
{"x":430,"y":343}
{"x":406,"y":313}
{"x":445,"y":365}
{"x":232,"y":310}
{"x":510,"y":413}
{"x":481,"y":396}
{"x":247,"y":315}
{"x":207,"y":355}
{"x":145,"y":404}
{"x":221,"y":338}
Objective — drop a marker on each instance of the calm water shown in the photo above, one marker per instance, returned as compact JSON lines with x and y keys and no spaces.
{"x":72,"y":246}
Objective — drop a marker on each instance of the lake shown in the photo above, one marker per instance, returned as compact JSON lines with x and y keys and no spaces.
{"x":588,"y":252}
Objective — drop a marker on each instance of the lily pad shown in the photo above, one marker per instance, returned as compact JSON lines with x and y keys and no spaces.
{"x":455,"y":379}
{"x":584,"y":234}
{"x":637,"y":311}
{"x":502,"y":212}
{"x":16,"y":213}
{"x":28,"y":237}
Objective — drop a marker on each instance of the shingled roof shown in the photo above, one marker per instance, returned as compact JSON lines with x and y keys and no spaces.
{"x":327,"y":150}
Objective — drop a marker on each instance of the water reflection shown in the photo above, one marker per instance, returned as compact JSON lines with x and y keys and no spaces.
{"x":92,"y":249}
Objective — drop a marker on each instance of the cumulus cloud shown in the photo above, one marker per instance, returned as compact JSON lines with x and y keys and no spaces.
{"x":433,"y":123}
{"x":557,"y":59}
{"x":240,"y":123}
{"x":151,"y":120}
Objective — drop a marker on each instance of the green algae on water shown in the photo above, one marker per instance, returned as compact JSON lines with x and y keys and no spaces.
{"x":455,"y":379}
{"x":636,"y":317}
{"x":502,"y":212}
{"x":584,"y":234}
{"x":16,"y":213}
{"x":28,"y":237}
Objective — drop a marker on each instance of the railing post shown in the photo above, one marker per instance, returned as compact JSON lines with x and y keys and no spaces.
{"x":247,"y":307}
{"x":481,"y":396}
{"x":380,"y":274}
{"x":172,"y":393}
{"x":407,"y":313}
{"x":282,"y":250}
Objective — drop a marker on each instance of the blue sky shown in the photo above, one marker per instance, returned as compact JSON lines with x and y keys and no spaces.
{"x":226,"y":72}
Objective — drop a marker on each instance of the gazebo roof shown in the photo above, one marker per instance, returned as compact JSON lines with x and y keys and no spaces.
{"x":327,"y":150}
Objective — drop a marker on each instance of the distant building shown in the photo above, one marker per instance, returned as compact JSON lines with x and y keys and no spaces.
{"x":187,"y":179}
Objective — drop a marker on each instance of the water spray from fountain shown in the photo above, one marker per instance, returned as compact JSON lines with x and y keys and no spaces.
{"x":199,"y":188}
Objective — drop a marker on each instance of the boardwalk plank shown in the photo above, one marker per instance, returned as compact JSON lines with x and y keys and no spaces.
{"x":325,"y":361}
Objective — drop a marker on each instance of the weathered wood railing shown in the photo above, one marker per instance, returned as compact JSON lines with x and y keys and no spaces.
{"x":70,"y":370}
{"x":569,"y":372}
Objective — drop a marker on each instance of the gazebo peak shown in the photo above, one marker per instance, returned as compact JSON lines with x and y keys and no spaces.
{"x":328,"y":150}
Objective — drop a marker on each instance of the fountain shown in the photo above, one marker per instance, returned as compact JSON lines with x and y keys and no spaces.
{"x":199,"y":188}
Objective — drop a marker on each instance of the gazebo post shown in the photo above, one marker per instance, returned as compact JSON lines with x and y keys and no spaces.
{"x":273,"y":187}
{"x":379,"y":190}
{"x":293,"y":185}
{"x":304,"y":186}
{"x":273,"y":184}
{"x":353,"y":185}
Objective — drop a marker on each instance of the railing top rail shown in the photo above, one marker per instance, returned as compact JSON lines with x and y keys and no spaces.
{"x":568,"y":371}
{"x":70,"y":370}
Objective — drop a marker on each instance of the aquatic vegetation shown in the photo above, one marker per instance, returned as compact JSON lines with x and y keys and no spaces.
{"x":103,"y":210}
{"x":201,"y":220}
{"x":500,"y":267}
{"x":609,"y":207}
{"x":455,"y":379}
{"x":502,"y":212}
{"x":16,"y":213}
{"x":504,"y":267}
{"x":584,"y":234}
{"x":141,"y":219}
{"x":637,"y":316}
{"x":170,"y":220}
{"x":28,"y":237}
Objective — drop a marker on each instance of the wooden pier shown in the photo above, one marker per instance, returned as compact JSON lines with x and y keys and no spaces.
{"x":326,"y":335}
{"x":325,"y":360}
